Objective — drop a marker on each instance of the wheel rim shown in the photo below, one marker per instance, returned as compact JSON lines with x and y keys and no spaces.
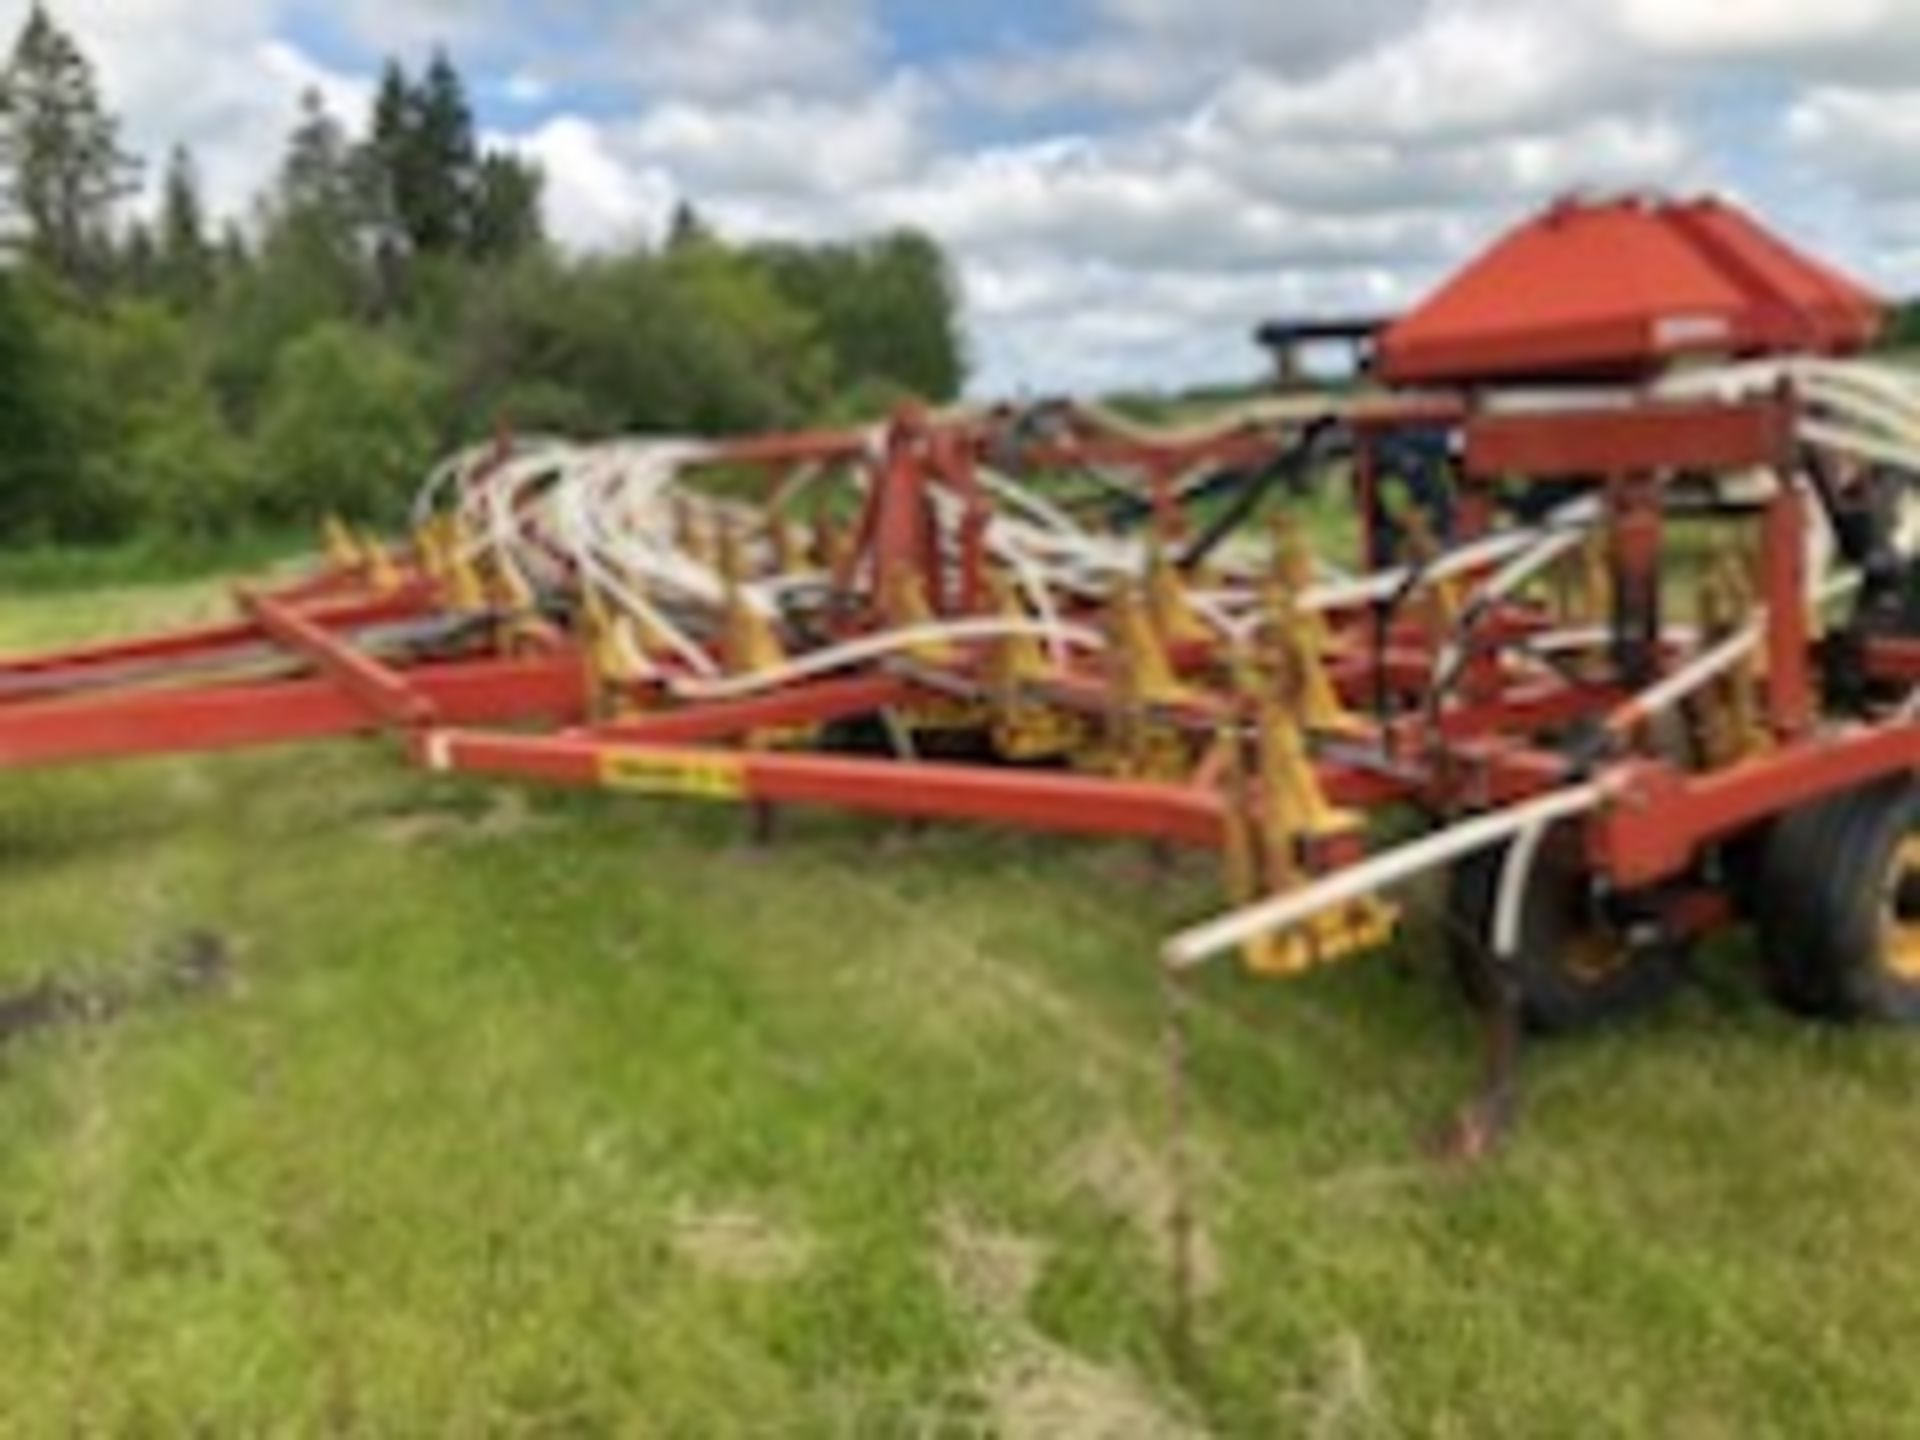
{"x":1900,"y":925}
{"x":1592,"y":954}
{"x":1593,"y":957}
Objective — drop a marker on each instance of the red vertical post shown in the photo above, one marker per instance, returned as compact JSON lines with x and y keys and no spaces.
{"x":1473,"y":510}
{"x":1783,"y":563}
{"x":847,"y":568}
{"x":893,"y":526}
{"x":1633,"y":512}
{"x":1473,"y":519}
{"x":899,"y":538}
{"x":1168,"y":522}
{"x":965,"y":592}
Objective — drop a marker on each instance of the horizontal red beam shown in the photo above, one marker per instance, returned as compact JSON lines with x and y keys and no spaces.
{"x":846,"y":446}
{"x":327,"y":584}
{"x":1642,"y":438}
{"x":1068,"y":804}
{"x":217,"y":718}
{"x":1661,"y":819}
{"x":1117,"y":453}
{"x":382,"y":691}
{"x":207,"y":642}
{"x":1894,"y":659}
{"x":1353,"y":786}
{"x":802,"y":448}
{"x":1406,"y":672}
{"x":1523,"y":709}
{"x":806,"y":705}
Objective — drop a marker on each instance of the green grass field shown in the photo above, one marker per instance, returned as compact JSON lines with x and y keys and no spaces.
{"x":557,"y":1115}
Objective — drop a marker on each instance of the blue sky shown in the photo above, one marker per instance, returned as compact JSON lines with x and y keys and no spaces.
{"x":918,"y":33}
{"x":1127,"y":186}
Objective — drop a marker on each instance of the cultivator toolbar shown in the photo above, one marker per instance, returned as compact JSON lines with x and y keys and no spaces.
{"x":1640,"y":655}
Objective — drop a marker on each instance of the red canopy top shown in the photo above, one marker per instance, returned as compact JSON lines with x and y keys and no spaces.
{"x":1623,"y":288}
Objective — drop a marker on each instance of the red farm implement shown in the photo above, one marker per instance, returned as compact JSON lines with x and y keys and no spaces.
{"x":1641,"y":652}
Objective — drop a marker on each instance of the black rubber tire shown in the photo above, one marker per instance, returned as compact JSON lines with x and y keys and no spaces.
{"x":1557,"y":911}
{"x":1742,"y":866}
{"x":1786,"y":908}
{"x":1831,"y":872}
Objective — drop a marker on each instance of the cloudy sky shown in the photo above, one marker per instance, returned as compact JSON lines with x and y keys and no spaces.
{"x":1127,"y":184}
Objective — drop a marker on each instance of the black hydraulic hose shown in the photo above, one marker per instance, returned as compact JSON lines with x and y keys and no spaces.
{"x":1291,"y":467}
{"x":1851,"y":528}
{"x":1420,"y":466}
{"x":1132,"y":508}
{"x":1385,"y":611}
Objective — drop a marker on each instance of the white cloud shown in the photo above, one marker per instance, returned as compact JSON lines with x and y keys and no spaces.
{"x":1147,"y":52}
{"x":1462,"y":72}
{"x":295,"y":74}
{"x":1136,"y":207}
{"x":1717,"y":27}
{"x":1277,"y":36}
{"x":408,"y":27}
{"x":596,"y":197}
{"x":1103,"y":73}
{"x":738,"y":49}
{"x":1365,"y":172}
{"x":1059,"y":324}
{"x":217,"y":77}
{"x":1126,"y":201}
{"x":1871,"y":138}
{"x":781,"y":144}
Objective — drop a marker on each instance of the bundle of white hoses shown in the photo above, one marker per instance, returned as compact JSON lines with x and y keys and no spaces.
{"x":1864,"y":411}
{"x":613,"y":518}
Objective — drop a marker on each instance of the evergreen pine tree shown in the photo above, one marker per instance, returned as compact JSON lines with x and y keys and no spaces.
{"x":39,"y":444}
{"x":442,"y":180}
{"x":431,"y":190}
{"x":316,"y":210}
{"x":186,"y":259}
{"x":384,"y":163}
{"x":317,"y":184}
{"x":137,"y":264}
{"x":233,"y":255}
{"x":688,"y":229}
{"x":63,"y":173}
{"x":506,"y":220}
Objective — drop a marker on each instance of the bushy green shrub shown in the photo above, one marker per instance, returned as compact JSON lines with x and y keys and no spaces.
{"x":39,"y":433}
{"x":391,"y":295}
{"x":345,"y":428}
{"x":194,"y":479}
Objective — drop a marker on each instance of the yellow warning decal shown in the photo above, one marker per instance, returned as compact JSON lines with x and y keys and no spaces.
{"x":654,"y":772}
{"x":1330,"y":937}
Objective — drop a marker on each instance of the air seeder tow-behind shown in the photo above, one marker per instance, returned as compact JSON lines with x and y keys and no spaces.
{"x":1630,"y":623}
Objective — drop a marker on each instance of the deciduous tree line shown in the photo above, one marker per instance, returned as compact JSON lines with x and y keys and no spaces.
{"x":386,"y":298}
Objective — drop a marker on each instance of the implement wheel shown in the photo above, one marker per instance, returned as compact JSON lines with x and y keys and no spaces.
{"x":1583,"y":961}
{"x":1839,"y":913}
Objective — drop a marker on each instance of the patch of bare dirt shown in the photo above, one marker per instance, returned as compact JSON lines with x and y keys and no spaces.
{"x":739,"y":1245}
{"x":1344,"y":1401}
{"x":508,"y":813}
{"x":957,"y":981}
{"x":991,"y":1272}
{"x":194,"y":965}
{"x":1043,"y":1392}
{"x":1133,"y":1180}
{"x":1031,"y":1387}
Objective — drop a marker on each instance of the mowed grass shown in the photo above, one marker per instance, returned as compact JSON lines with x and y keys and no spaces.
{"x":572,"y":1115}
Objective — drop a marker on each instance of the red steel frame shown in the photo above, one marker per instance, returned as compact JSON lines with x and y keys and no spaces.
{"x":72,"y":707}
